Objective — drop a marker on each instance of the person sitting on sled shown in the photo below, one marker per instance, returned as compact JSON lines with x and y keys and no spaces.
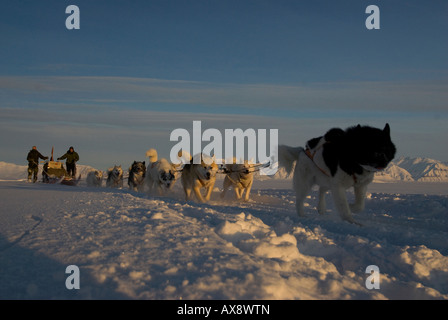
{"x":33,"y":163}
{"x":70,"y":163}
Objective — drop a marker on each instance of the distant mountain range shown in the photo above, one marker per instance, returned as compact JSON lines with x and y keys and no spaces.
{"x":401,"y":169}
{"x":414,"y":169}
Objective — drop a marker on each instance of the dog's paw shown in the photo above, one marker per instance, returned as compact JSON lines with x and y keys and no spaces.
{"x":353,"y":221}
{"x":321,"y":210}
{"x":301,"y":213}
{"x":356,"y":208}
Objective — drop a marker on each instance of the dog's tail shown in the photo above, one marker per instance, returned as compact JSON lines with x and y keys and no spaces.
{"x":184,"y":157}
{"x":152,"y":154}
{"x":287,"y":156}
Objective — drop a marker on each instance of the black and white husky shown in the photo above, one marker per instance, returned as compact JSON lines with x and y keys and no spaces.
{"x":137,"y":172}
{"x":160,"y":174}
{"x":337,"y":161}
{"x":115,"y":177}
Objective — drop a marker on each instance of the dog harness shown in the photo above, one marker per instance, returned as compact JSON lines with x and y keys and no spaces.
{"x":315,"y":154}
{"x":311,"y":155}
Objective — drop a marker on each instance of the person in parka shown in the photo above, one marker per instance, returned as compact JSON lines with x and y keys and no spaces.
{"x":71,"y":158}
{"x":33,"y":163}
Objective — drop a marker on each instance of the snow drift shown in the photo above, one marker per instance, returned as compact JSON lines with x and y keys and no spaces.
{"x":131,"y":245}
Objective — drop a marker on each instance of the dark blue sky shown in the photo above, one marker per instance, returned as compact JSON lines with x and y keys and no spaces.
{"x":227,"y":40}
{"x":289,"y":63}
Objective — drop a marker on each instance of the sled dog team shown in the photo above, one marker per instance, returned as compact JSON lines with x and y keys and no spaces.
{"x":160,"y":176}
{"x":334,"y":162}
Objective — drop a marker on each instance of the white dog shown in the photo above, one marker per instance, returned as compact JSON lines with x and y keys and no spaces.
{"x":160,"y":174}
{"x":337,"y":161}
{"x":198,"y":176}
{"x":115,"y":177}
{"x":240,"y":177}
{"x":94,"y":178}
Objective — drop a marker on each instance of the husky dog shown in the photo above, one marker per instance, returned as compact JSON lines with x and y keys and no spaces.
{"x":94,"y":178}
{"x":198,"y":176}
{"x":137,"y":172}
{"x":160,"y":174}
{"x":115,"y":177}
{"x":337,"y":161}
{"x":240,"y":177}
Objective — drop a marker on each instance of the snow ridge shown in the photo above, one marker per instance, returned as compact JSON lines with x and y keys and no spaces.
{"x":130,"y":245}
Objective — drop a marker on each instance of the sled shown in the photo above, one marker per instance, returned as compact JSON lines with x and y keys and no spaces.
{"x":54,"y":172}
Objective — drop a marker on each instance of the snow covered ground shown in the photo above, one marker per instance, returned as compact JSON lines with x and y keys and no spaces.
{"x":130,"y":245}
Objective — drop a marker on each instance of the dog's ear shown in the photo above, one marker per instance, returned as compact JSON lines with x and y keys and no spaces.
{"x":312,"y":143}
{"x":143,"y":162}
{"x":333,"y":135}
{"x":386,"y":129}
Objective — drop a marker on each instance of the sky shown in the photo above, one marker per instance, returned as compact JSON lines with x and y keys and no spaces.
{"x":137,"y":70}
